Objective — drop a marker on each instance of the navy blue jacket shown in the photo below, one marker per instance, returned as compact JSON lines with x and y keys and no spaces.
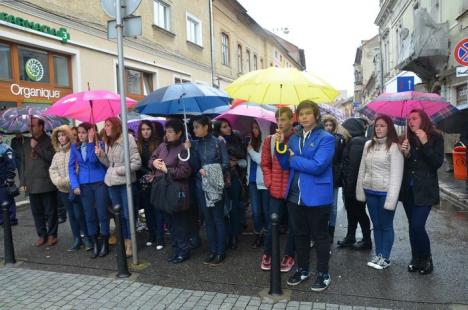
{"x":313,"y":162}
{"x":7,"y":163}
{"x":89,"y":171}
{"x":208,"y":150}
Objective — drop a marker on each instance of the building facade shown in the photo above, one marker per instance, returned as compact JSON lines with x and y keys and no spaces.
{"x":367,"y":66}
{"x":50,"y":48}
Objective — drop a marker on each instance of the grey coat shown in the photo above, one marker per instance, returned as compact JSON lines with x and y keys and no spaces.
{"x":36,"y":165}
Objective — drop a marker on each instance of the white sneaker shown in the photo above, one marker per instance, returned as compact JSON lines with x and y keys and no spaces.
{"x":159,"y":247}
{"x":374,"y":262}
{"x":384,"y":263}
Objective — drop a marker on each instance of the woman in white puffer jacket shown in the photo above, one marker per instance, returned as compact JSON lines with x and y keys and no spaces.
{"x":379,"y":182}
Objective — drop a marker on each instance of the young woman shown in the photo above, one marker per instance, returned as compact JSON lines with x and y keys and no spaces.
{"x":341,"y":135}
{"x":112,"y":156}
{"x":424,"y":155}
{"x":147,"y":142}
{"x":237,"y":162}
{"x":87,"y":180}
{"x":258,"y":193}
{"x":165,"y":161}
{"x":379,"y":182}
{"x":208,"y":152}
{"x":62,"y":139}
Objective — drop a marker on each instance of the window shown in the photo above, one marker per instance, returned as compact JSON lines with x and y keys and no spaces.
{"x":224,"y":49}
{"x":139,"y":83}
{"x":62,"y":77}
{"x":5,"y":62}
{"x":255,"y":65}
{"x":162,"y":15}
{"x":249,"y":67}
{"x":34,"y":65}
{"x":134,"y":80}
{"x":178,"y":80}
{"x":261,"y":64}
{"x":194,"y":33}
{"x":239,"y":58}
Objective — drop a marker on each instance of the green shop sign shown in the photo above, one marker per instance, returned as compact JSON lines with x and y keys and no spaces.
{"x":60,"y":33}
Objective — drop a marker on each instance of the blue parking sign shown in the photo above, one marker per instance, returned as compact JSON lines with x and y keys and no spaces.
{"x":405,"y":83}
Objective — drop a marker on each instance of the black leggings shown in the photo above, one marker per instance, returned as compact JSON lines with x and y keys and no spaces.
{"x":356,"y":213}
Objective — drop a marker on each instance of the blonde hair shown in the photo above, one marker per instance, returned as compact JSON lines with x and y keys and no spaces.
{"x":62,"y":129}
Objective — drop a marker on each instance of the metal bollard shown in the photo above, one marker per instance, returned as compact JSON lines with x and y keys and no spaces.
{"x":7,"y":235}
{"x":275,"y":274}
{"x":122,"y":265}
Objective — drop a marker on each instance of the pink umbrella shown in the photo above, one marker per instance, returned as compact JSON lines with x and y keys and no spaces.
{"x":241,"y":117}
{"x":92,"y":106}
{"x":399,"y":105}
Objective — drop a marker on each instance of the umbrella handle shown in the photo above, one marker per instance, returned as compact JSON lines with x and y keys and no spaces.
{"x":278,"y":150}
{"x":184,"y":159}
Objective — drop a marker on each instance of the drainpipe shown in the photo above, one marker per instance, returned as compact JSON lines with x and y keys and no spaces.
{"x":382,"y":84}
{"x":212,"y":47}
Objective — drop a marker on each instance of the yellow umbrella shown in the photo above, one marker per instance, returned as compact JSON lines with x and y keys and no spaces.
{"x":287,"y":86}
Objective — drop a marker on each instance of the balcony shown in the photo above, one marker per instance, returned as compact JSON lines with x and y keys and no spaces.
{"x":425,"y":51}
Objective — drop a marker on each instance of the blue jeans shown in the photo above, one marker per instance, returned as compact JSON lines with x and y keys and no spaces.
{"x":95,"y":199}
{"x":75,"y":216}
{"x":259,"y":201}
{"x":334,"y":207}
{"x":12,"y":208}
{"x":382,"y":220}
{"x":118,"y":196}
{"x":233,"y":199}
{"x":417,"y":217}
{"x":278,"y":206}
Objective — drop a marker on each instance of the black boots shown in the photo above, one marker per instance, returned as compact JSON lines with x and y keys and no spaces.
{"x":331,"y":233}
{"x":421,"y":265}
{"x":233,"y":242}
{"x":104,"y":246}
{"x":76,"y":245}
{"x":347,"y":242}
{"x":363,"y":245}
{"x":95,"y":251}
{"x":258,"y":241}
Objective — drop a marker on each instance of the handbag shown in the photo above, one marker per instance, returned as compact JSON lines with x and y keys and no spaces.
{"x":146,"y":181}
{"x":167,"y":195}
{"x":12,"y":190}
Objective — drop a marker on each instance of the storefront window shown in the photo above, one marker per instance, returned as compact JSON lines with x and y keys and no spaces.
{"x":61,"y":71}
{"x":34,"y":65}
{"x":5,"y":62}
{"x":134,"y":81}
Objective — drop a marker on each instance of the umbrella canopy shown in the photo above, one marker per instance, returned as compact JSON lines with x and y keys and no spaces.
{"x":456,"y":123}
{"x":399,"y":105}
{"x":92,"y":106}
{"x":188,"y":98}
{"x":16,"y":120}
{"x":335,"y":112}
{"x":241,"y":117}
{"x":287,"y":86}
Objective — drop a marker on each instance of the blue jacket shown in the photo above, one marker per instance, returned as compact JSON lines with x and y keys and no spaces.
{"x":7,"y":164}
{"x":313,"y":162}
{"x":89,"y":171}
{"x":208,"y":150}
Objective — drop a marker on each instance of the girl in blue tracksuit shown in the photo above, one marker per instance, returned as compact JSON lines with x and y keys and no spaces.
{"x":309,"y":157}
{"x":87,"y":180}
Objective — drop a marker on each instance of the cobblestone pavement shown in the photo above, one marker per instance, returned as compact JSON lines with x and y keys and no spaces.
{"x":32,"y":289}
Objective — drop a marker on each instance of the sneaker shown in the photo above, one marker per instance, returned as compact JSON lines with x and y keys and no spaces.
{"x":374,"y":262}
{"x":149,"y":243}
{"x":159,"y":247}
{"x":287,"y":263}
{"x":312,"y":243}
{"x":266,"y":262}
{"x":298,"y":277}
{"x":384,"y":263}
{"x":322,"y":282}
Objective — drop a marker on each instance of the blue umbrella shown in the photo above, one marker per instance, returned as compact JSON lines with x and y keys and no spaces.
{"x":183,"y":99}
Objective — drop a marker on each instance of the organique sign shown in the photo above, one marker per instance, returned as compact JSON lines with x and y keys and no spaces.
{"x":60,"y":33}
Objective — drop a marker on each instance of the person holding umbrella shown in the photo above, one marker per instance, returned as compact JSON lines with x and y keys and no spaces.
{"x":112,"y":156}
{"x":309,"y":157}
{"x":423,"y":149}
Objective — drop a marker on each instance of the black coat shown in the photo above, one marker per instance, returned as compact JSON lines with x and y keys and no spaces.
{"x":421,"y":170}
{"x":338,"y":160}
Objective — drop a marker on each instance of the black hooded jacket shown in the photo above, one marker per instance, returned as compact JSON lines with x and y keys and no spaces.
{"x":352,"y":154}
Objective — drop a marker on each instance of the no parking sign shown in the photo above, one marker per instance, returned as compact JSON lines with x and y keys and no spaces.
{"x":461,"y":52}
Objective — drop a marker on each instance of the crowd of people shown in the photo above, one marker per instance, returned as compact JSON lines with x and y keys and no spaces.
{"x":294,"y":171}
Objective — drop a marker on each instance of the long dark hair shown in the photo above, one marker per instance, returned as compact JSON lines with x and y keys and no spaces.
{"x":154,"y":140}
{"x":426,"y":125}
{"x":217,"y":126}
{"x":255,"y":142}
{"x":392,"y":136}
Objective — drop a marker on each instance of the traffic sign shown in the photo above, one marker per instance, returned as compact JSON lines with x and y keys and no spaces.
{"x":461,"y":52}
{"x":462,"y":71}
{"x":405,"y":83}
{"x":128,"y":7}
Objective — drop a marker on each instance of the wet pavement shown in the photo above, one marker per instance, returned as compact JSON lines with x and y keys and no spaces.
{"x":353,"y":283}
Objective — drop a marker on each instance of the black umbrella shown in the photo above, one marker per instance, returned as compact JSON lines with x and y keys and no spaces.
{"x":456,"y":123}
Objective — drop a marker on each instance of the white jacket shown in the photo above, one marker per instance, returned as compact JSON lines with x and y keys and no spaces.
{"x":256,"y":157}
{"x":58,"y":169}
{"x":113,"y":158}
{"x":381,"y":170}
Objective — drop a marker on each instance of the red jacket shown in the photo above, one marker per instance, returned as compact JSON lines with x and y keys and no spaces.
{"x":275,"y":178}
